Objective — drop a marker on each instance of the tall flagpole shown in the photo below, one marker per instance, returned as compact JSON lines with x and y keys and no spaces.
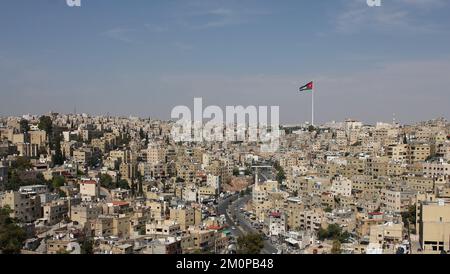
{"x":312,"y":107}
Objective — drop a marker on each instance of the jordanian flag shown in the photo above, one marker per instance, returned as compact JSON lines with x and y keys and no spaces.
{"x":308,"y":87}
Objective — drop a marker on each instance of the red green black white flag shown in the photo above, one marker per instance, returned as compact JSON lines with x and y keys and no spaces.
{"x":308,"y":87}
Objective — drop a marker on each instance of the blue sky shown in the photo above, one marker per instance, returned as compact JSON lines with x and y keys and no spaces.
{"x":144,"y":57}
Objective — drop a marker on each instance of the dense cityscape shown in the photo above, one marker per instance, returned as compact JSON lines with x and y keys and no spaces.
{"x":224,"y":135}
{"x":81,"y":184}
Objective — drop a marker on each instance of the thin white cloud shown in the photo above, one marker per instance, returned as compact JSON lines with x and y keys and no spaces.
{"x":120,"y":34}
{"x":156,"y":28}
{"x":183,"y":46}
{"x":392,"y":16}
{"x":423,"y":3}
{"x":414,"y":90}
{"x":220,"y":17}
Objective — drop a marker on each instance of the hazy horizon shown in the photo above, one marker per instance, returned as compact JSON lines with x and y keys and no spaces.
{"x":143,"y":58}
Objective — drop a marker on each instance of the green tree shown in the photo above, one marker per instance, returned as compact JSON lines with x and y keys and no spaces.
{"x":106,"y":181}
{"x":58,"y":181}
{"x":87,"y":247}
{"x":24,"y":127}
{"x":58,"y":158}
{"x":235,"y":171}
{"x":46,"y":124}
{"x":22,"y":163}
{"x":12,"y":237}
{"x":14,"y":182}
{"x":334,"y":232}
{"x":142,"y":134}
{"x":409,"y":216}
{"x":80,"y":173}
{"x":123,"y":184}
{"x":322,"y":234}
{"x":336,"y":248}
{"x":250,"y":244}
{"x":281,"y":176}
{"x":344,"y":237}
{"x":248,"y":191}
{"x":62,"y":194}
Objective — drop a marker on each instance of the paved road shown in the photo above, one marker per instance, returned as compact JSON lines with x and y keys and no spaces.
{"x":242,"y":225}
{"x":245,"y":227}
{"x":222,"y":210}
{"x":105,"y":193}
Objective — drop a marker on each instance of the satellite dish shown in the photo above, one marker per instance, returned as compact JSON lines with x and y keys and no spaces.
{"x":232,"y":247}
{"x":74,"y":248}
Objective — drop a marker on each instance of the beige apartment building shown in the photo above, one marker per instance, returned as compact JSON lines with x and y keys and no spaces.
{"x":89,"y":190}
{"x":82,"y":156}
{"x":354,"y":167}
{"x":27,"y":150}
{"x":341,"y":186}
{"x":186,"y":216}
{"x":38,"y":137}
{"x":102,"y":226}
{"x":100,"y":144}
{"x":434,"y":226}
{"x":364,"y":221}
{"x":410,"y":153}
{"x":84,"y":213}
{"x":367,"y":183}
{"x":293,"y":208}
{"x":57,"y":246}
{"x":419,"y":183}
{"x":128,"y":171}
{"x":122,"y":156}
{"x":25,"y":207}
{"x":55,"y":211}
{"x":387,"y":235}
{"x":121,"y":226}
{"x":157,"y":211}
{"x":162,"y":228}
{"x":156,"y":155}
{"x":311,"y":220}
{"x":419,"y":152}
{"x":396,"y":201}
{"x":202,"y":239}
{"x":396,"y":169}
{"x":377,"y":166}
{"x":436,"y":169}
{"x":398,"y":153}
